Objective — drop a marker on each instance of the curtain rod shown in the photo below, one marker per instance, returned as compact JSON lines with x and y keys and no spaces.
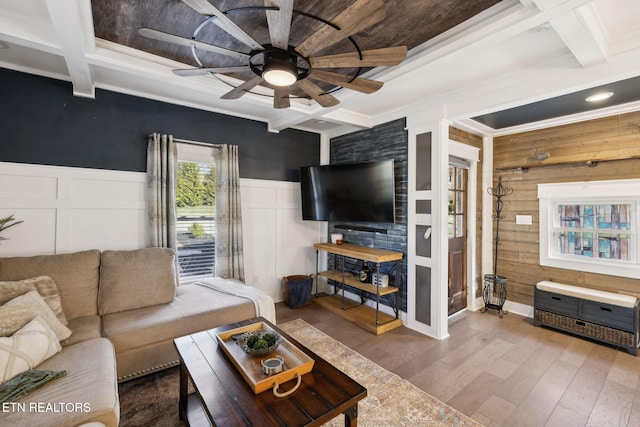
{"x":589,"y":163}
{"x":204,"y":144}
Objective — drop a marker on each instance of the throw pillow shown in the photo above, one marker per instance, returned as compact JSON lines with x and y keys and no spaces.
{"x":136,"y":279}
{"x":27,"y":348}
{"x":45,"y":286}
{"x":10,"y":290}
{"x":13,"y":318}
{"x":34,"y":302}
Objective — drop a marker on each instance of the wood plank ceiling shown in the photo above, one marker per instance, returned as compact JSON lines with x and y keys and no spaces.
{"x":407,"y":22}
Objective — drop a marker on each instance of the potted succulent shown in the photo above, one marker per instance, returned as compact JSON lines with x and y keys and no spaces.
{"x":7,"y":222}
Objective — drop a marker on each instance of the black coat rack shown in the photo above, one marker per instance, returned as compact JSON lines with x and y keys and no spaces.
{"x":494,"y":293}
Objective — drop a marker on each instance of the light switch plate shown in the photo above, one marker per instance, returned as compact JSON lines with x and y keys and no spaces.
{"x":523,"y":219}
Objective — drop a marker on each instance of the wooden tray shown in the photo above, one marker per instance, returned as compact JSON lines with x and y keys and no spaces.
{"x":295,"y":361}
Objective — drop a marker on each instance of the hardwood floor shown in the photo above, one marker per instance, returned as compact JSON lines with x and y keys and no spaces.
{"x":501,"y":372}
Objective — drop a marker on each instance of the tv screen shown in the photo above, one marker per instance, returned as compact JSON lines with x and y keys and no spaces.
{"x":359,"y":192}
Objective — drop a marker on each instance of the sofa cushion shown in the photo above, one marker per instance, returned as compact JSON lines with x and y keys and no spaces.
{"x":45,"y":286}
{"x":195,"y":308}
{"x":36,"y":305}
{"x":136,"y":279}
{"x":90,"y":388}
{"x":76,"y":276}
{"x":83,"y":329}
{"x":27,"y":348}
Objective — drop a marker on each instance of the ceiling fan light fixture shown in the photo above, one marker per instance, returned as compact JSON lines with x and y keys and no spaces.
{"x":280,"y":69}
{"x":280,"y":64}
{"x":278,"y":77}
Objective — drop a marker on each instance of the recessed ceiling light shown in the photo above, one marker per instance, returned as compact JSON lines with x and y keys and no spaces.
{"x":600,"y":96}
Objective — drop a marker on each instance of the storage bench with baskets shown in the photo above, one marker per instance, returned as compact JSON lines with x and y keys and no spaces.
{"x":604,"y":316}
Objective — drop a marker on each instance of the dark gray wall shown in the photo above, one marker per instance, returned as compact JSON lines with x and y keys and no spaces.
{"x":41,"y":122}
{"x":383,"y":142}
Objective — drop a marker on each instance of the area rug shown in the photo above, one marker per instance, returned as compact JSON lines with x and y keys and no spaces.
{"x":391,"y":401}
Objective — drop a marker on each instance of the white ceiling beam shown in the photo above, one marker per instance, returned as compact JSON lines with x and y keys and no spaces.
{"x":21,"y":33}
{"x":501,"y":22}
{"x":295,"y":117}
{"x":73,"y":24}
{"x":349,"y":117}
{"x":288,"y":119}
{"x":525,"y":87}
{"x":581,"y":31}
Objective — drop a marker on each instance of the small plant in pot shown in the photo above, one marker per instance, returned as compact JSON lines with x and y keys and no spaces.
{"x":7,"y":222}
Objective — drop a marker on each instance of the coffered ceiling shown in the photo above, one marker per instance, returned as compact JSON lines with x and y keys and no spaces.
{"x":489,"y":66}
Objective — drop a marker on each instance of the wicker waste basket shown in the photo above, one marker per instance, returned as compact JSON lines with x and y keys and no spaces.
{"x":297,"y":290}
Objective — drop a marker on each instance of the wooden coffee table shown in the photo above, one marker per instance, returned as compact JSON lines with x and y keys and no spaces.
{"x":223,"y":398}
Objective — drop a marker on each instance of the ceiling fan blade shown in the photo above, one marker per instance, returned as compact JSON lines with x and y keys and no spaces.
{"x":370,"y":58}
{"x":319,"y":95}
{"x":183,"y":41}
{"x":358,"y":84}
{"x":188,"y":72}
{"x":360,"y":15}
{"x":281,"y":97}
{"x":279,"y":22}
{"x":203,"y":7}
{"x":243,"y":88}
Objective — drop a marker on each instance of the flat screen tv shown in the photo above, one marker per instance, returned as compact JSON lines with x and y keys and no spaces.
{"x":358,"y":192}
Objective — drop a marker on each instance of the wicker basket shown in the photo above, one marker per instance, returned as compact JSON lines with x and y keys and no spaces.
{"x":604,"y":333}
{"x":297,"y":290}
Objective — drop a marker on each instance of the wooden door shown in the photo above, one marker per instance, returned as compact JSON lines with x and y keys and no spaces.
{"x":457,"y":219}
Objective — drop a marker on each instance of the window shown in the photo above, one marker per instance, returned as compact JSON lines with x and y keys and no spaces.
{"x":195,"y":212}
{"x":595,"y":231}
{"x":456,"y":184}
{"x":591,"y":226}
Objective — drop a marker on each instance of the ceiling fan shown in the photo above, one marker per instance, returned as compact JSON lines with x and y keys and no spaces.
{"x":282,"y":66}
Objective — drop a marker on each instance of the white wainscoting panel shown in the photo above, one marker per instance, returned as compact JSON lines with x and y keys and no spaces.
{"x":29,"y":187}
{"x":259,"y":233}
{"x":124,"y":229}
{"x":277,"y":242}
{"x":37,"y":235}
{"x":71,"y":209}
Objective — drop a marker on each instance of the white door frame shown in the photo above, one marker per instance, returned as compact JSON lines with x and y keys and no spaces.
{"x":435,"y":221}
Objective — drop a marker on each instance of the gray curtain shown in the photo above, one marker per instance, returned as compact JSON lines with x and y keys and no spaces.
{"x":162,"y":160}
{"x":229,"y":249}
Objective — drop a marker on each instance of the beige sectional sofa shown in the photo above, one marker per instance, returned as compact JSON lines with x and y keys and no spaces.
{"x":124,"y":310}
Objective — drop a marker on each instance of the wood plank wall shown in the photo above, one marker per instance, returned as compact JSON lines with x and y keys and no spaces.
{"x":612,"y":142}
{"x":474,"y":141}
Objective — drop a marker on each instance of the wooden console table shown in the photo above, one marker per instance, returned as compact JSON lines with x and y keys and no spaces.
{"x":364,"y":316}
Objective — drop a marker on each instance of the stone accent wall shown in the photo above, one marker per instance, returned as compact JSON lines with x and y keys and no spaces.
{"x":382,"y":142}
